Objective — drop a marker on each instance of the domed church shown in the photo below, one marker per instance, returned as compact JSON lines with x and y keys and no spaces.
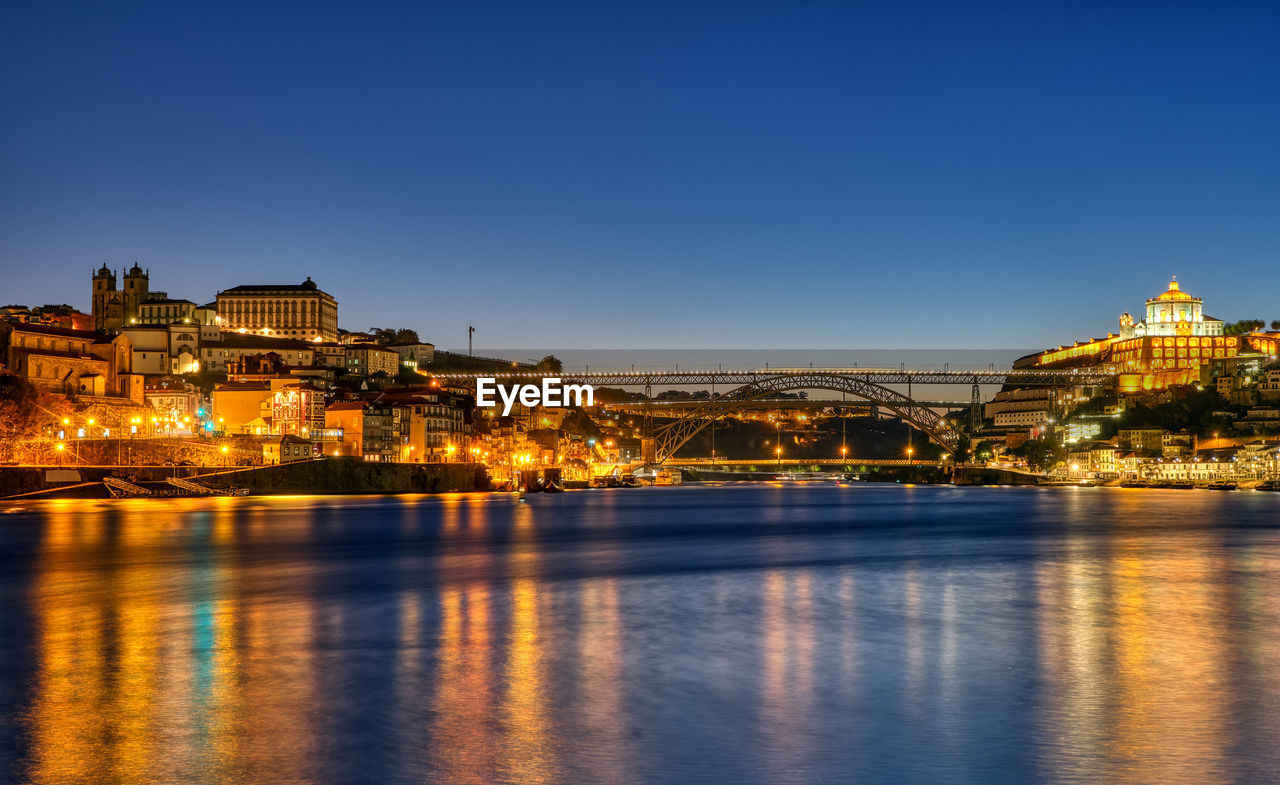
{"x":1173,"y":313}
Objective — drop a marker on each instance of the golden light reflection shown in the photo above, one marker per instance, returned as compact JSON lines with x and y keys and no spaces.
{"x":1138,"y":649}
{"x":462,"y":733}
{"x":600,"y":647}
{"x":139,"y":634}
{"x":527,"y":753}
{"x":787,"y":673}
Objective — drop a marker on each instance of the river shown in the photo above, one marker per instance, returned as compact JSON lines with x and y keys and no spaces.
{"x":770,"y":633}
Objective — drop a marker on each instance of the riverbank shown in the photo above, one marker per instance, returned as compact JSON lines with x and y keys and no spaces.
{"x":336,"y":476}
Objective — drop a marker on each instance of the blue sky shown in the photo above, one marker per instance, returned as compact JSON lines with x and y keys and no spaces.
{"x":894,"y":174}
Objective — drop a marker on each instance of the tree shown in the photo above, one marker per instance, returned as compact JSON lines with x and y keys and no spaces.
{"x":1244,"y":326}
{"x":1043,"y":454}
{"x":387,"y":335}
{"x":549,"y":364}
{"x":1275,"y":324}
{"x":24,"y":413}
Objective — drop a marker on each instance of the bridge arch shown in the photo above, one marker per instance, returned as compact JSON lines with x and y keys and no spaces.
{"x":671,"y":437}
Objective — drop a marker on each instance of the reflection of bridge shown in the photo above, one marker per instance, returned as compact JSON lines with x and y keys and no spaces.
{"x":867,"y":384}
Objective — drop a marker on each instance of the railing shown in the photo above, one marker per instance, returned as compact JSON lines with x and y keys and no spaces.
{"x":187,"y":485}
{"x":119,"y":487}
{"x":1047,"y":378}
{"x":766,"y":463}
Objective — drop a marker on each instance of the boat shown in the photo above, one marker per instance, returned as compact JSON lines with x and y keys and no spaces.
{"x":668,"y":477}
{"x":551,"y":481}
{"x":1222,"y":485}
{"x":1134,"y":484}
{"x":1268,"y":485}
{"x":1182,"y":485}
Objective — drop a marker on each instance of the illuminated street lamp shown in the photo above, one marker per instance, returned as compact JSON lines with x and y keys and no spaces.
{"x":60,"y":447}
{"x":226,"y":458}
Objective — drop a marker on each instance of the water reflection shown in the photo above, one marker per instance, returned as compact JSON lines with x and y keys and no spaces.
{"x":778,"y":635}
{"x":1144,"y":641}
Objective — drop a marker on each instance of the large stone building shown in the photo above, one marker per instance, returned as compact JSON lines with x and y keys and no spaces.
{"x":299,"y":311}
{"x":71,"y":362}
{"x":1170,"y":348}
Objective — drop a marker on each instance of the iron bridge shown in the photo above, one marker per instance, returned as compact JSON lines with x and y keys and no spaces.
{"x":867,"y":384}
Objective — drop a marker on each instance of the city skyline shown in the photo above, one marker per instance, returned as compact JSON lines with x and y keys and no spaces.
{"x":669,"y":167}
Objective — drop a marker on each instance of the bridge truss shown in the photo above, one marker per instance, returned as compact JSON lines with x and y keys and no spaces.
{"x":672,"y":436}
{"x":1016,"y":377}
{"x":861,"y":383}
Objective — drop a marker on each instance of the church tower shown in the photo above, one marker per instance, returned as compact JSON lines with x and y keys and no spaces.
{"x":135,"y":292}
{"x":104,"y":288}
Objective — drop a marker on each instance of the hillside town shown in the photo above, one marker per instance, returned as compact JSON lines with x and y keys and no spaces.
{"x":264,"y":374}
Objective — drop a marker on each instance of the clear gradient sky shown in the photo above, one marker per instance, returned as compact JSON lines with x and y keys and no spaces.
{"x":788,"y":174}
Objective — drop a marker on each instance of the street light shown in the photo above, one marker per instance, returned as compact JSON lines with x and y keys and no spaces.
{"x":60,"y":447}
{"x":226,"y":459}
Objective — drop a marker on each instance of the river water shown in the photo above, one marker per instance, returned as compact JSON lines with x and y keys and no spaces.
{"x":735,"y":634}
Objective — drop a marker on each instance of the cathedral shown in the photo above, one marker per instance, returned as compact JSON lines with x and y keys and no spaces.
{"x":1173,"y":313}
{"x":114,"y":308}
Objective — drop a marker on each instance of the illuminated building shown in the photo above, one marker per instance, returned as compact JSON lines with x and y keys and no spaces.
{"x":368,"y":430}
{"x":367,"y":359}
{"x":242,"y":407}
{"x":432,"y":425}
{"x":164,"y":348}
{"x":1144,"y":439}
{"x":72,"y":362}
{"x":174,"y":398}
{"x":219,"y":355}
{"x":1168,"y":349}
{"x":298,"y":311}
{"x":414,"y":355}
{"x":160,"y":309}
{"x":1173,"y":313}
{"x":289,"y":448}
{"x":114,"y":308}
{"x":297,"y":409}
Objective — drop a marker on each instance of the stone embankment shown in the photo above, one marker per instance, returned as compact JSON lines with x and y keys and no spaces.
{"x":325,"y":476}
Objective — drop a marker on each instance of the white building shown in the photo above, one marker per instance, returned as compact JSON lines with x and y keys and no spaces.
{"x":1173,"y":313}
{"x":1021,"y":419}
{"x":160,"y":349}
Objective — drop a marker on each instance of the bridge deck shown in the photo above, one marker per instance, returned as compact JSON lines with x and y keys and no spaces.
{"x":1029,"y":378}
{"x":766,"y":463}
